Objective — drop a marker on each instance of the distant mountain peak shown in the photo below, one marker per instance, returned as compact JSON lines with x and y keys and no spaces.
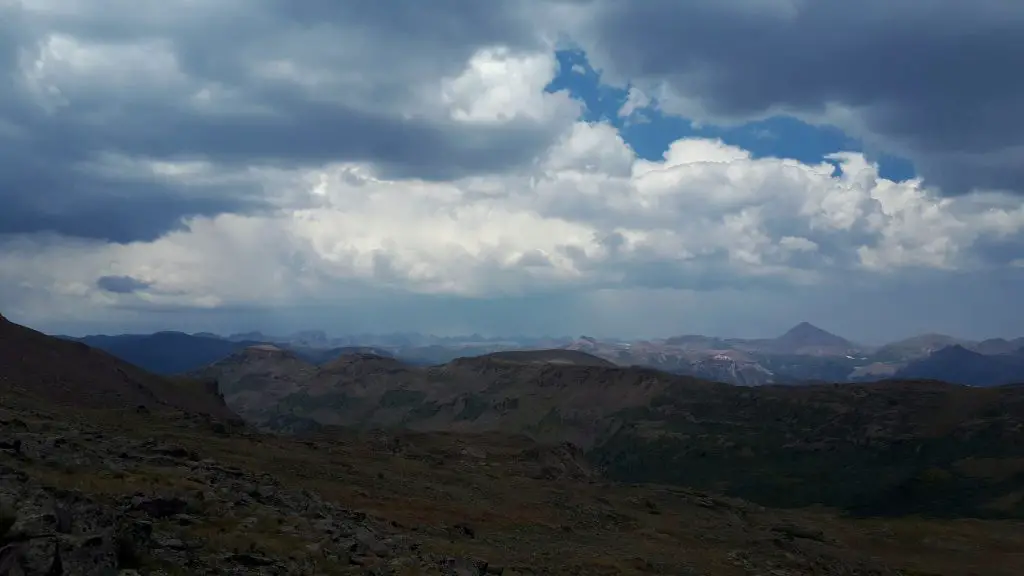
{"x":805,"y":327}
{"x":807,"y":334}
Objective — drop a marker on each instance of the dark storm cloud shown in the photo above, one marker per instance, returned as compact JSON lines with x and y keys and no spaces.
{"x":44,"y":188}
{"x":308,"y":133}
{"x":121,"y":284}
{"x":936,"y":81}
{"x":445,"y":24}
{"x":41,"y":190}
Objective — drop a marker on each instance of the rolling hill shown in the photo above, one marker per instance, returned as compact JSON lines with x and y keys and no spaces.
{"x":885,"y":448}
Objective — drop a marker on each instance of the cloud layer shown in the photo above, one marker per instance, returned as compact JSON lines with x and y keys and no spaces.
{"x":588,"y":216}
{"x":253,"y":83}
{"x":334,"y":155}
{"x":932,"y":83}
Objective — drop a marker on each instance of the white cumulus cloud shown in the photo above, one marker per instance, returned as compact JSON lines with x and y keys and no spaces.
{"x":587,"y":215}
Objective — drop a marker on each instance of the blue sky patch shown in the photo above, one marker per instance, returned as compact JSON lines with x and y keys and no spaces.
{"x":778,"y":136}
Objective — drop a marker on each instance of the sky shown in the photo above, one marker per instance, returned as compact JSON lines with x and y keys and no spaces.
{"x":631,"y":169}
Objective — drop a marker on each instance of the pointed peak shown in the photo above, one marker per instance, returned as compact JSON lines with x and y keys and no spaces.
{"x":807,"y":334}
{"x":806,"y":328}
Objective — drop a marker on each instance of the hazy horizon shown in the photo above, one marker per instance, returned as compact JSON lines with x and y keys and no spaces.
{"x":341,"y":334}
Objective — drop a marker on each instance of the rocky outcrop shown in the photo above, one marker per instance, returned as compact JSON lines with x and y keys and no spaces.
{"x":207,"y":517}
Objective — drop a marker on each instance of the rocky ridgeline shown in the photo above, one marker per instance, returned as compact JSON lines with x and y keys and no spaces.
{"x":68,"y":507}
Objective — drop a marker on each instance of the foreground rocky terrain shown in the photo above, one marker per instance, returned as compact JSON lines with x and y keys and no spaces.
{"x":181,"y":494}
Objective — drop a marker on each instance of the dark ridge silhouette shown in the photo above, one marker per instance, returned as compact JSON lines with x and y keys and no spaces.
{"x":958,"y":365}
{"x":166,"y":352}
{"x":44,"y":369}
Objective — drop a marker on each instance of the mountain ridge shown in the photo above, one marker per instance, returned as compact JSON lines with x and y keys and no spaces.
{"x":639,"y":424}
{"x":803,"y":354}
{"x":960,"y":365}
{"x":37,"y":368}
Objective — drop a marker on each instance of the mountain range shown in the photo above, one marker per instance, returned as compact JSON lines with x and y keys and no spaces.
{"x":850,"y":446}
{"x":801,"y":355}
{"x":513,"y":463}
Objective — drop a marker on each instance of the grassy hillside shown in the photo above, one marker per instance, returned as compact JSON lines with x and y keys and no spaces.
{"x":884,"y":448}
